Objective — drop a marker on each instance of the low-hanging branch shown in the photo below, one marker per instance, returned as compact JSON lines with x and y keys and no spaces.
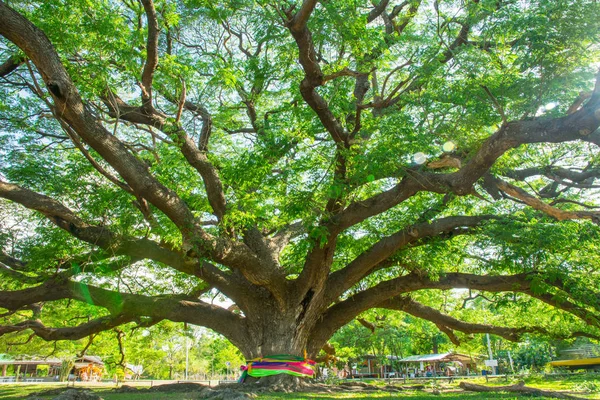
{"x":123,"y":307}
{"x":410,"y":306}
{"x":346,"y":310}
{"x":68,"y":333}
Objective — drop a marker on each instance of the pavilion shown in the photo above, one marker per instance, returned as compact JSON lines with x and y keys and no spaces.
{"x":434,"y":360}
{"x":86,"y":368}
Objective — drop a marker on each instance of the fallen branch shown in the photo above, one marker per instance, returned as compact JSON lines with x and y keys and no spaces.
{"x":517,"y":388}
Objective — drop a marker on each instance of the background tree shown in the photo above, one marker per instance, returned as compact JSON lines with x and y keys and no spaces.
{"x":306,"y":160}
{"x":533,"y":355}
{"x":224,"y":360}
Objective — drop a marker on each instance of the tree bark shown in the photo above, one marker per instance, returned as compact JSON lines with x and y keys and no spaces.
{"x":271,"y":332}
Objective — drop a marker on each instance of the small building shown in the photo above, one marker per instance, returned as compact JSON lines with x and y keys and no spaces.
{"x":438,"y":364}
{"x":364,"y":367}
{"x":371,"y":366}
{"x":26,"y":369}
{"x":86,"y":368}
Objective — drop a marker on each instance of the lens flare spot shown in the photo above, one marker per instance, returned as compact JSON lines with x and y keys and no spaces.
{"x":419,"y":158}
{"x":448,"y":146}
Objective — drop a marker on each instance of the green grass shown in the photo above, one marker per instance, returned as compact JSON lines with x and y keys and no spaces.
{"x":21,"y":392}
{"x":575,"y":383}
{"x":449,"y":392}
{"x":14,"y":392}
{"x":403,"y":395}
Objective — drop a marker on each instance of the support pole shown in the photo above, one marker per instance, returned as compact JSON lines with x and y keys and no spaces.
{"x":187,"y":356}
{"x":489,"y":345}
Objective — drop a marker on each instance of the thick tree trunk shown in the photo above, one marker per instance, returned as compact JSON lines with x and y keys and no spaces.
{"x":274,"y":328}
{"x":271,"y":330}
{"x":275,"y":335}
{"x":274,"y":339}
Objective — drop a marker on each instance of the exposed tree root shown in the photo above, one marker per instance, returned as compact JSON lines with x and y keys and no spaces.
{"x":250,"y":389}
{"x":171,"y":387}
{"x":517,"y":388}
{"x":228,"y":391}
{"x":66,"y":394}
{"x":275,"y":383}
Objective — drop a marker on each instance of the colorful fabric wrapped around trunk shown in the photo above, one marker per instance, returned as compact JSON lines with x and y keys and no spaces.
{"x":278,"y":364}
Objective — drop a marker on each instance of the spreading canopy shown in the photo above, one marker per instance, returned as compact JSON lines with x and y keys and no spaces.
{"x":307,"y":160}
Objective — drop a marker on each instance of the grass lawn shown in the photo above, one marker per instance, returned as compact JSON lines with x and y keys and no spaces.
{"x":411,"y":395}
{"x":587,"y":385}
{"x":449,"y":392}
{"x":13,"y":392}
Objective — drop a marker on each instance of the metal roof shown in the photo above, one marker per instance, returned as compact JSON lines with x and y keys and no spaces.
{"x":92,"y":359}
{"x":48,"y":361}
{"x":85,"y":360}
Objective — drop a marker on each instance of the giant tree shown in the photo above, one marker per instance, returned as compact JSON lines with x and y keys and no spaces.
{"x":307,"y":160}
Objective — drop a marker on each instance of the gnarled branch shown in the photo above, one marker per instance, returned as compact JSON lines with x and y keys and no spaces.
{"x":414,"y":308}
{"x":538,"y":204}
{"x":123,"y":307}
{"x":341,"y":280}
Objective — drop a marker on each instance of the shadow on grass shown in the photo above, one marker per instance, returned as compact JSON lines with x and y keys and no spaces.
{"x":17,"y":392}
{"x":407,"y":395}
{"x":21,"y":392}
